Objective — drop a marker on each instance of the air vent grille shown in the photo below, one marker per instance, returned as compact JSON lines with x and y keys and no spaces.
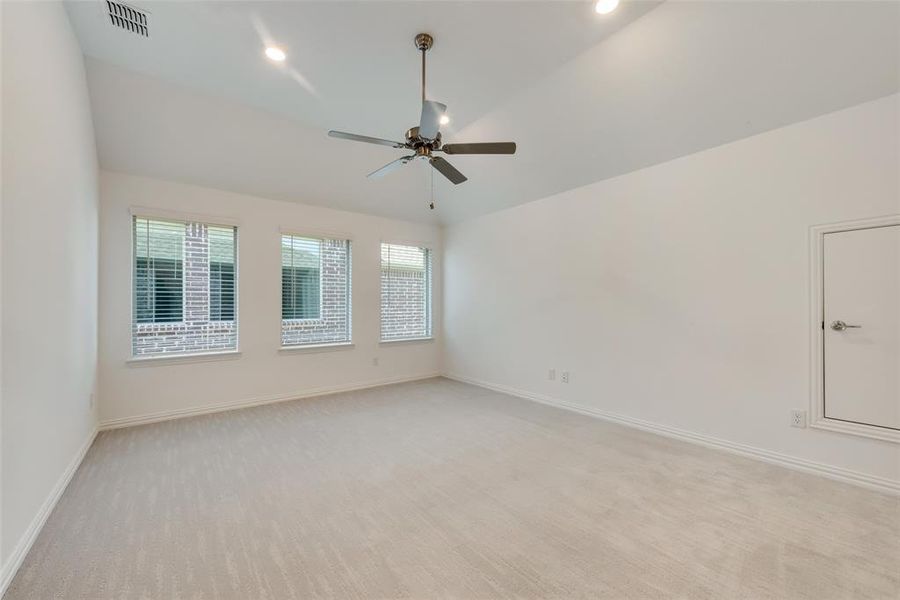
{"x":130,"y":19}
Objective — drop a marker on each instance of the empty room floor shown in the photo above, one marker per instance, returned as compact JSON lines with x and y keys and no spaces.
{"x":441,"y":489}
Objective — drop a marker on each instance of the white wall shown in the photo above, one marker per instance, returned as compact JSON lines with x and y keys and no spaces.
{"x":49,"y":263}
{"x":677,"y":294}
{"x":129,"y":391}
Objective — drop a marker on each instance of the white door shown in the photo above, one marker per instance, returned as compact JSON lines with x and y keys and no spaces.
{"x":862,"y":326}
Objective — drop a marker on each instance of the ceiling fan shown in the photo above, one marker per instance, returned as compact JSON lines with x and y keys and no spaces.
{"x":425,"y":139}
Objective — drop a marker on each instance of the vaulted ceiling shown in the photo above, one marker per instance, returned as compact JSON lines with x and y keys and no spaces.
{"x":586,"y":97}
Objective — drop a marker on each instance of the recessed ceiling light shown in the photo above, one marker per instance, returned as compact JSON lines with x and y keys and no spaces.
{"x":444,"y":119}
{"x":604,"y":7}
{"x":276,"y":54}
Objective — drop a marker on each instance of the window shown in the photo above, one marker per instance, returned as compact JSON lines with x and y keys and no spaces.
{"x":221,"y":273}
{"x":405,"y":292}
{"x":185,"y":287}
{"x":158,"y":271}
{"x":301,"y":285}
{"x":315,"y":290}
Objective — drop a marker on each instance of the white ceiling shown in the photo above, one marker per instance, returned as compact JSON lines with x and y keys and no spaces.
{"x":586,"y":98}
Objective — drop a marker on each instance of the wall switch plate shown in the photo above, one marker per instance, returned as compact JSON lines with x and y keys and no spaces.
{"x":551,"y":374}
{"x":375,"y":362}
{"x":798,"y":418}
{"x":565,"y":377}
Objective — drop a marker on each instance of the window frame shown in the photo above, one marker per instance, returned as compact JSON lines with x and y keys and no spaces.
{"x":323,"y":235}
{"x":429,"y":295}
{"x":143,"y":212}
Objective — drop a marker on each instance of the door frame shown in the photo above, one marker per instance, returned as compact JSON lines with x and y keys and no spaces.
{"x":817,"y":418}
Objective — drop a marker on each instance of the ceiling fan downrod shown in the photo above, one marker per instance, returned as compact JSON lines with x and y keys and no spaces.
{"x":424,"y":42}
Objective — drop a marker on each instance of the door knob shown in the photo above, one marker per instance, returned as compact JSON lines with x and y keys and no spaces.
{"x":840,"y":326}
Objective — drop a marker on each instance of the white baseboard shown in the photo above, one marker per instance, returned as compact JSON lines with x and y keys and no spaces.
{"x":12,"y":565}
{"x":181,"y":413}
{"x":872,"y":482}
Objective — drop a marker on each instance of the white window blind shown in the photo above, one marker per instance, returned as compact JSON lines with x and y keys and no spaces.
{"x":405,"y":292}
{"x":185,"y":287}
{"x":315,"y":290}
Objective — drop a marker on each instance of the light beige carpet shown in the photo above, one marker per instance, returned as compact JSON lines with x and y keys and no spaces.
{"x":439,"y":489}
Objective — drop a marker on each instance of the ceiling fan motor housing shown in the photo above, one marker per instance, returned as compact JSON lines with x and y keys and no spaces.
{"x":414,"y":141}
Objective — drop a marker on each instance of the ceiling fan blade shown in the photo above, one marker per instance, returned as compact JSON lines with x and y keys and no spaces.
{"x":447,"y":170}
{"x":481,"y":148}
{"x":391,"y":166}
{"x":364,"y":138}
{"x":430,"y":123}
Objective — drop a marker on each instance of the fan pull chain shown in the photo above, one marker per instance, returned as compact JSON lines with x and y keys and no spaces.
{"x":431,"y":205}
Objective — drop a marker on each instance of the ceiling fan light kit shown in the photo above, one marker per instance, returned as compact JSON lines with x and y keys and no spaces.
{"x":425,"y":139}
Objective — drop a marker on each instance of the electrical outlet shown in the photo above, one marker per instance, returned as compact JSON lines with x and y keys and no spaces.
{"x":565,"y":377}
{"x":375,"y":362}
{"x":551,"y":374}
{"x":798,"y":418}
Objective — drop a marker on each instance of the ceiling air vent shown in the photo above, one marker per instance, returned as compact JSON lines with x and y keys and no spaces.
{"x":128,"y":18}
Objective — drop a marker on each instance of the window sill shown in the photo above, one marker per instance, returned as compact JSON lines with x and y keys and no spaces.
{"x":406,"y":340}
{"x":312,"y":348}
{"x":177,"y":359}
